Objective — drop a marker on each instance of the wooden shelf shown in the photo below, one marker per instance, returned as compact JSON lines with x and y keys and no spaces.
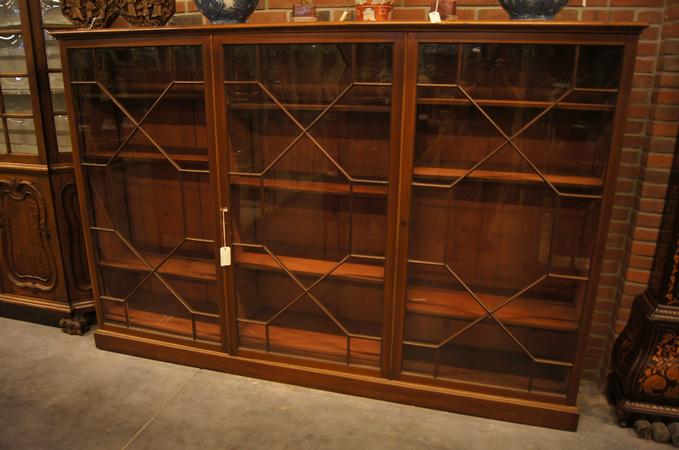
{"x":146,"y":96}
{"x":517,"y":104}
{"x":485,"y":378}
{"x":523,"y":311}
{"x":310,"y":186}
{"x":145,"y":155}
{"x":190,"y":268}
{"x":317,"y":267}
{"x":514,"y":177}
{"x":254,"y":106}
{"x":162,"y":322}
{"x":301,"y":336}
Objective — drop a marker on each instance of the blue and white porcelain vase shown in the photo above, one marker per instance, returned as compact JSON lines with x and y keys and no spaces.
{"x":532,"y":9}
{"x":226,"y":11}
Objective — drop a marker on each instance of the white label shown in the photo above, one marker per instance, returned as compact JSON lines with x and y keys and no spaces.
{"x":434,"y":17}
{"x":225,"y":256}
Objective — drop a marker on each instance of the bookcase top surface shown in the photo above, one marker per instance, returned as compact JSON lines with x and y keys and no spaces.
{"x":507,"y":26}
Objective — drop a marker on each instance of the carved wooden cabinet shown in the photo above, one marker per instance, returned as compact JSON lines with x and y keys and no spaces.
{"x":403,"y":211}
{"x":44,"y":274}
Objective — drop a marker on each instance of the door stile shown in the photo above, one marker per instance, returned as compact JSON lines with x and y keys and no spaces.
{"x":223,"y":207}
{"x":390,"y":288}
{"x":407,"y":143}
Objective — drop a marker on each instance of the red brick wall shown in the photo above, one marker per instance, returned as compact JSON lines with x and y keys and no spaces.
{"x":647,"y":149}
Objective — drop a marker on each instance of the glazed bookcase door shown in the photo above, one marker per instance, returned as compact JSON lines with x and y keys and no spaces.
{"x":140,"y":117}
{"x":511,"y":145}
{"x":309,"y":163}
{"x":18,"y":141}
{"x":53,"y":20}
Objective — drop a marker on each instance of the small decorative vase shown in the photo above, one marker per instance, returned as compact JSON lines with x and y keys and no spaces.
{"x":147,"y":13}
{"x":532,"y":9}
{"x":90,"y":13}
{"x":373,"y":10}
{"x":226,"y":11}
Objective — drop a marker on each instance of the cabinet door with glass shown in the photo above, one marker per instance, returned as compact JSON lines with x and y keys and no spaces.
{"x":18,"y":141}
{"x":510,"y":154}
{"x":310,"y":162}
{"x":140,"y":118}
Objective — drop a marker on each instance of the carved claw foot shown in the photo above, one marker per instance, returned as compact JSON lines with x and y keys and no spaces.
{"x":76,"y":325}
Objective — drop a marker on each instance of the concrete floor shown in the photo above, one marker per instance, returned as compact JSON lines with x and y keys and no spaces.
{"x":59,"y":391}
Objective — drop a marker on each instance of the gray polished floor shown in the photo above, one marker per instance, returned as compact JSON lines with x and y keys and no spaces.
{"x":59,"y":391}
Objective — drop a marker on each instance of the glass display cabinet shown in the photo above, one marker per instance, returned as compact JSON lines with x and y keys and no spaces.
{"x":44,"y":274}
{"x":409,"y":212}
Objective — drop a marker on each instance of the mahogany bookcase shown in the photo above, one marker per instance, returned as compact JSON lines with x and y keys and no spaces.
{"x":413,"y":212}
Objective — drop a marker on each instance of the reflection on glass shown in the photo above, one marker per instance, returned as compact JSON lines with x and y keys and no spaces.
{"x":9,"y":13}
{"x":57,"y":91}
{"x":22,"y":136}
{"x":12,"y":57}
{"x":63,"y":133}
{"x":521,"y":71}
{"x":16,"y":94}
{"x":599,"y":66}
{"x":52,"y":51}
{"x":438,"y":63}
{"x":3,"y":143}
{"x":51,"y":13}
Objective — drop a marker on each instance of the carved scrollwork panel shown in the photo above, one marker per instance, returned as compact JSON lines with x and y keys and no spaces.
{"x":25,"y":236}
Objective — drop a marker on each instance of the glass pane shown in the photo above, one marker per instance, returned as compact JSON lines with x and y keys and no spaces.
{"x":9,"y":13}
{"x":22,"y":136}
{"x":52,"y":50}
{"x":12,"y":57}
{"x":63,"y":133}
{"x":599,"y":66}
{"x":16,"y":95}
{"x":3,"y":142}
{"x":51,"y":13}
{"x":81,"y":63}
{"x":517,"y":71}
{"x":150,"y":185}
{"x":309,"y":206}
{"x":438,"y":63}
{"x":57,"y":90}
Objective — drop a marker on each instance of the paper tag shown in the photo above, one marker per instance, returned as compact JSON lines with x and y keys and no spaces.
{"x":225,"y":256}
{"x":434,"y":17}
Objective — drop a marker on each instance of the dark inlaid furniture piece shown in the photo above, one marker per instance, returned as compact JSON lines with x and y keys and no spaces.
{"x":43,"y":267}
{"x":645,"y":359}
{"x":402,"y":211}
